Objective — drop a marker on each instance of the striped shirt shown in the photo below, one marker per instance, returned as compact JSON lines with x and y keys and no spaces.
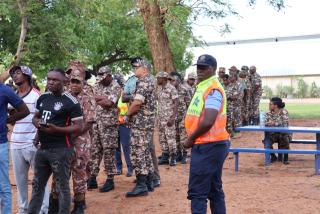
{"x":24,"y":131}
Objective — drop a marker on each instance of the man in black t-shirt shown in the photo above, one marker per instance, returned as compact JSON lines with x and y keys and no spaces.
{"x":58,"y":118}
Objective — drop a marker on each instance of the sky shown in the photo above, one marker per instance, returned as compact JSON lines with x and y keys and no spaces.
{"x":300,"y":17}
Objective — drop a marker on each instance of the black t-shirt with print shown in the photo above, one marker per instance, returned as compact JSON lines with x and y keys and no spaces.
{"x":60,"y":111}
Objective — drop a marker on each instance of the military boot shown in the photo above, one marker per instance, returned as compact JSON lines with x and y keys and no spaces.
{"x":164,"y":159}
{"x":140,"y":189}
{"x":149,"y":182}
{"x":173,"y":161}
{"x":79,"y":203}
{"x":184,"y":157}
{"x":286,"y":159}
{"x":179,"y":156}
{"x":92,"y":183}
{"x":53,"y":203}
{"x":108,"y":185}
{"x":280,"y":157}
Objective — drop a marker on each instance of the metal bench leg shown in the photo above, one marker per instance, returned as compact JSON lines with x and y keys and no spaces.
{"x":317,"y":159}
{"x":236,"y":161}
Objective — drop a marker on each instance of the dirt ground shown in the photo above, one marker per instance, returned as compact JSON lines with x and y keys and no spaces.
{"x":256,"y":189}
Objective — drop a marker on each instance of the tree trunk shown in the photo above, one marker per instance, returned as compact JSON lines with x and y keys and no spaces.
{"x":23,"y":32}
{"x":157,"y":36}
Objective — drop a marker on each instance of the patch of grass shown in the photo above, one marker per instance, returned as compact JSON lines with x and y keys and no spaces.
{"x":298,"y":111}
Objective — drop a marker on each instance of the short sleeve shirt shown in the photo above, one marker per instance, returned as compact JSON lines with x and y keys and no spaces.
{"x":60,"y":111}
{"x":145,"y":92}
{"x":7,"y":96}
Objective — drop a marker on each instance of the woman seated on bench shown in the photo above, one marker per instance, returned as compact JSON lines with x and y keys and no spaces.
{"x":278,"y":116}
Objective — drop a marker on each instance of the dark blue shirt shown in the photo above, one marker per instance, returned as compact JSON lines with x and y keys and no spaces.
{"x":7,"y":96}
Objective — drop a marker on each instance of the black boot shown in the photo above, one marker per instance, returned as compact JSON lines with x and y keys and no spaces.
{"x":280,"y":157}
{"x":286,"y":159}
{"x":273,"y":157}
{"x":173,"y":161}
{"x":164,"y":159}
{"x":184,"y":158}
{"x":53,"y":203}
{"x":92,"y":183}
{"x":179,"y":156}
{"x":79,"y":204}
{"x":108,"y":185}
{"x":140,"y":189}
{"x":149,"y":182}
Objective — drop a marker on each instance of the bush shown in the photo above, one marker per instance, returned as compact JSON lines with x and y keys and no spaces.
{"x":302,"y":88}
{"x":267,"y":92}
{"x":314,"y":91}
{"x":280,"y":91}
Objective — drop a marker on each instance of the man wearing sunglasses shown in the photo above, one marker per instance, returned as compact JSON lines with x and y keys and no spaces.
{"x":205,"y":124}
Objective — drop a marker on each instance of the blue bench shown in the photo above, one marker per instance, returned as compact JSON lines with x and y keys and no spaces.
{"x":236,"y":152}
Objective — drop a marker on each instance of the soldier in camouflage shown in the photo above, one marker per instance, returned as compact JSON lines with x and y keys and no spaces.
{"x":191,"y":83}
{"x":278,"y":116}
{"x":221,"y":73}
{"x":82,"y":143}
{"x":256,"y":92}
{"x":244,"y":76}
{"x":184,"y":101}
{"x":107,"y":92}
{"x":141,"y":119}
{"x":231,"y":93}
{"x":87,"y":89}
{"x":167,"y":97}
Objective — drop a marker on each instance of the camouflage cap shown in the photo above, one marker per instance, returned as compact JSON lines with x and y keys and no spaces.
{"x":192,"y":76}
{"x":245,"y":68}
{"x":233,"y":68}
{"x":77,"y":75}
{"x":138,"y":62}
{"x":104,"y":70}
{"x":243,"y":72}
{"x":162,"y":74}
{"x":75,"y":65}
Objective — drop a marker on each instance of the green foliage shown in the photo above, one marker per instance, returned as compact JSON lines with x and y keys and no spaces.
{"x":314,"y":91}
{"x":279,"y":91}
{"x":302,"y":88}
{"x":267,"y":92}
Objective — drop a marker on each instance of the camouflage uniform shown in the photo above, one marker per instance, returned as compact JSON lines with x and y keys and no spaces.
{"x":184,"y":101}
{"x":280,"y":119}
{"x":255,"y":95}
{"x":231,"y":91}
{"x":165,"y":96}
{"x":105,"y":131}
{"x":82,"y":145}
{"x":142,"y":126}
{"x":246,"y":100}
{"x":237,"y":110}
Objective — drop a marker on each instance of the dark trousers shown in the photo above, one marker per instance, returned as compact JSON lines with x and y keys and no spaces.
{"x":124,"y":142}
{"x":51,"y":161}
{"x":205,"y":177}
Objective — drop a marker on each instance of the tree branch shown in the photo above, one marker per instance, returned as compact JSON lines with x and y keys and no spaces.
{"x":24,"y":28}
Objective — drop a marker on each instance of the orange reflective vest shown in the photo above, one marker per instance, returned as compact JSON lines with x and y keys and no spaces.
{"x":122,"y":109}
{"x":196,"y":111}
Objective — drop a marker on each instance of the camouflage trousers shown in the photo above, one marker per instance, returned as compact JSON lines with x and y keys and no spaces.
{"x":254,"y":111}
{"x":140,"y":151}
{"x":167,"y":137}
{"x":283,"y":140}
{"x":237,"y":113}
{"x":181,"y":135}
{"x":245,"y":110}
{"x":105,"y":142}
{"x":230,"y":118}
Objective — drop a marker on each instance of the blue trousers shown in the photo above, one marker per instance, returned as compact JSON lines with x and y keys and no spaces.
{"x":124,"y":140}
{"x":5,"y":188}
{"x":205,"y":177}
